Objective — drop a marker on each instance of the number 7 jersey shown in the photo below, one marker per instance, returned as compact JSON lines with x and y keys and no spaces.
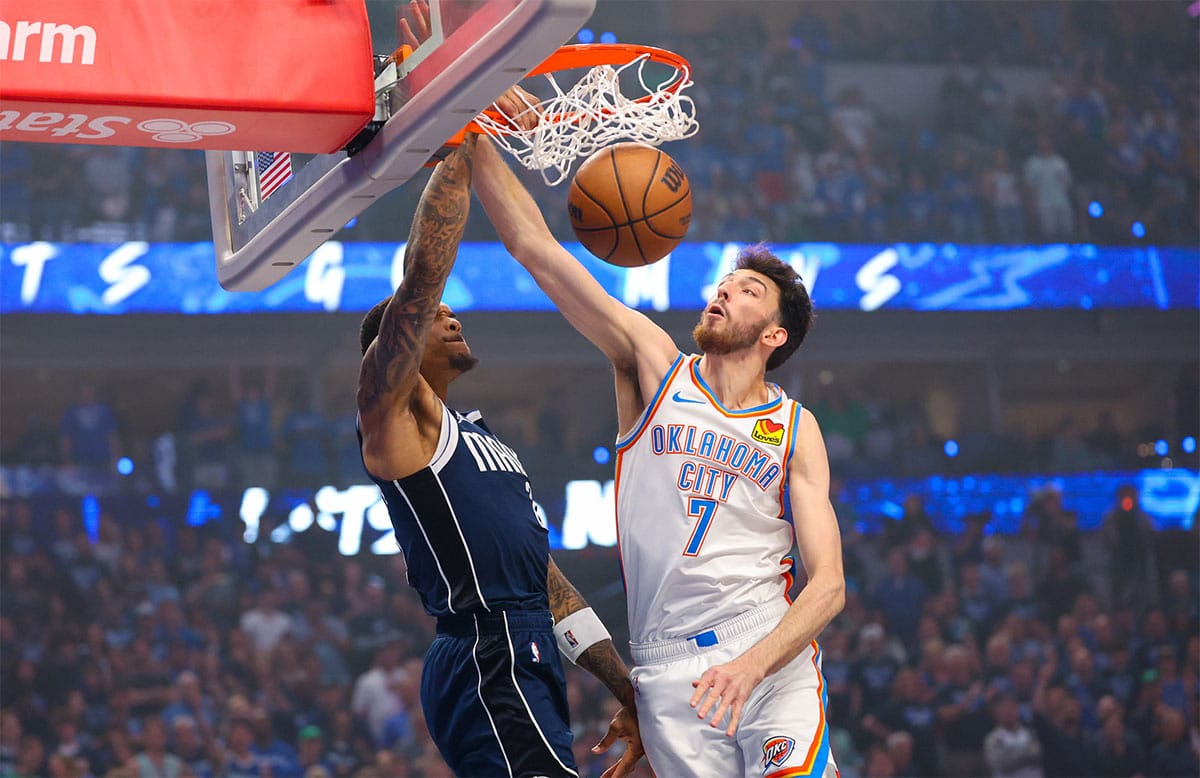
{"x":700,"y":507}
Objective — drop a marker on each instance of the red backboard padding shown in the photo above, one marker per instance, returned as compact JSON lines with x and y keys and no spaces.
{"x":280,"y":75}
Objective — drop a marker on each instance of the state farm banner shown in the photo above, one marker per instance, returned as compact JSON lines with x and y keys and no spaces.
{"x":292,"y":75}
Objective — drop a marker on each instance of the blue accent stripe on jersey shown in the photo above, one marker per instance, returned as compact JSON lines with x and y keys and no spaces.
{"x":628,"y":440}
{"x":793,"y":427}
{"x":766,"y":407}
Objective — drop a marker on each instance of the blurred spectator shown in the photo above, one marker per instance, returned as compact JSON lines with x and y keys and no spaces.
{"x":266,"y":624}
{"x":1048,"y":179}
{"x":959,"y":194}
{"x":10,"y":741}
{"x":240,"y":760}
{"x":899,"y":597}
{"x":191,"y":747}
{"x":376,"y":698}
{"x":851,"y":120}
{"x":1174,"y":755}
{"x":1011,"y":750}
{"x":302,"y":437}
{"x":154,"y":761}
{"x":962,"y":714}
{"x":256,"y":457}
{"x":918,"y":209}
{"x":312,"y":751}
{"x":1002,"y":192}
{"x":207,"y":431}
{"x":88,"y":432}
{"x":1129,"y":536}
{"x":108,"y":175}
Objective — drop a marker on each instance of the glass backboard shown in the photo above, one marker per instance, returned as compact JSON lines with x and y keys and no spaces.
{"x":475,"y":50}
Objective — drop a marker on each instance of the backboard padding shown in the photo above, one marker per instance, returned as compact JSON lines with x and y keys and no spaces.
{"x":487,"y":46}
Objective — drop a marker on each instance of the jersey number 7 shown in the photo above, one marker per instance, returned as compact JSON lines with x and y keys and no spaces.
{"x":703,"y":510}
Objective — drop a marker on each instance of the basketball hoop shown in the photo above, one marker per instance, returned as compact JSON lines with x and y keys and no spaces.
{"x":594,"y":112}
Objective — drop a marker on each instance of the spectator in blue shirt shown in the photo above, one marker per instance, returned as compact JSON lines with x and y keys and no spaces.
{"x":900,"y":598}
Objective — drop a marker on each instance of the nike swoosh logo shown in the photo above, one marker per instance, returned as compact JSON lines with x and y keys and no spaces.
{"x":679,"y":399}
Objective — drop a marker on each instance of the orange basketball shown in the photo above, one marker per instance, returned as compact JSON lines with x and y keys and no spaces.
{"x":630,"y":204}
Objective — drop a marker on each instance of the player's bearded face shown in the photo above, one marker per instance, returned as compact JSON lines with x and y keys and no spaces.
{"x":725,"y":337}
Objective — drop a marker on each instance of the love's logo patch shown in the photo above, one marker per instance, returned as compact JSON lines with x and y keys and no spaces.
{"x":767,"y":431}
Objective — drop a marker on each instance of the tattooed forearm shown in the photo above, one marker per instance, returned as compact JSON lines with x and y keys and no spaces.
{"x":565,"y":599}
{"x":602,"y":659}
{"x":437,"y":229}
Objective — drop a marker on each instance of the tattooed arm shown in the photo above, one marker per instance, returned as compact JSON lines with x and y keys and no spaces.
{"x":601,"y":660}
{"x":397,"y":407}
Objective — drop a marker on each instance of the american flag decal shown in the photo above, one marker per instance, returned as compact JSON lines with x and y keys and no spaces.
{"x":274,"y":169}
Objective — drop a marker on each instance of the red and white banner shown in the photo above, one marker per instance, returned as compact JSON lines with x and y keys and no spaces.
{"x":198,"y":74}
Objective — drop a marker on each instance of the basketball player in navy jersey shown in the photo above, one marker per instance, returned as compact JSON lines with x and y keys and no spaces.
{"x":710,"y":457}
{"x":477,"y":551}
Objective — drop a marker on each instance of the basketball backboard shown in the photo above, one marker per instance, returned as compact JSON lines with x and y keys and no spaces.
{"x":475,"y":51}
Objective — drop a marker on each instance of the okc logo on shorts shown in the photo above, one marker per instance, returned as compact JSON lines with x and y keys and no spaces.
{"x":767,"y":431}
{"x":776,"y":751}
{"x":179,"y":131}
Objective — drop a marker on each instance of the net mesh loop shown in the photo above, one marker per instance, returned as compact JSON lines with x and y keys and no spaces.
{"x":595,"y":113}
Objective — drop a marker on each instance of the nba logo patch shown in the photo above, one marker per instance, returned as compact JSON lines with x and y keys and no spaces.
{"x":767,"y":431}
{"x":537,"y":655}
{"x":776,"y":751}
{"x":571,"y":639}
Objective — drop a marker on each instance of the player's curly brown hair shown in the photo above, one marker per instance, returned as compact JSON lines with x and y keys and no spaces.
{"x":795,"y":307}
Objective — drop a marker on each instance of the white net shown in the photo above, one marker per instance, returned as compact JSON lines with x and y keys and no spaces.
{"x":594,"y":114}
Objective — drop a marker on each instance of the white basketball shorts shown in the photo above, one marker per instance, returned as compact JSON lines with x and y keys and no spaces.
{"x":782,"y":732}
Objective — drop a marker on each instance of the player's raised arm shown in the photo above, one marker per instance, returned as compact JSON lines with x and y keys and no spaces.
{"x":391,"y":364}
{"x":628,"y":338}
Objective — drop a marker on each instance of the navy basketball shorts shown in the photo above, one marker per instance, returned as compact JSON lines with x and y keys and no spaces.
{"x":495,"y":698}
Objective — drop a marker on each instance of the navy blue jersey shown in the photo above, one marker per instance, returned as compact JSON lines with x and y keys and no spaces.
{"x":466,"y":522}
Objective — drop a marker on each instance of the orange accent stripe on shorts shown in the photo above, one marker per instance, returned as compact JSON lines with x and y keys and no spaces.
{"x":807,"y":767}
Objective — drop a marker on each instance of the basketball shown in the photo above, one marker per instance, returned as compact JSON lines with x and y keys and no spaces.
{"x":630,"y":204}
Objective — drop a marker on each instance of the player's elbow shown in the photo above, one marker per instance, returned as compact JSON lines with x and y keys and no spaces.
{"x":833,"y":589}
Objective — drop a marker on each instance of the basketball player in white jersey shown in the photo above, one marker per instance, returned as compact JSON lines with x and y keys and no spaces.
{"x":727,"y":668}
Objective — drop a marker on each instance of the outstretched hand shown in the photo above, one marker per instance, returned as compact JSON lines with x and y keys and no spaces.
{"x":624,"y":726}
{"x":728,"y":687}
{"x":518,"y":106}
{"x":420,"y":13}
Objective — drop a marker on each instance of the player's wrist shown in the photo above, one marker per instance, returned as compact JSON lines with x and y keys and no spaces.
{"x":578,"y":632}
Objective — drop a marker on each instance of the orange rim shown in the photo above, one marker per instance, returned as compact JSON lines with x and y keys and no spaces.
{"x":589,"y":55}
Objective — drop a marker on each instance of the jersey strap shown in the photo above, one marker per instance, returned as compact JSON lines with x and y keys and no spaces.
{"x":659,"y":396}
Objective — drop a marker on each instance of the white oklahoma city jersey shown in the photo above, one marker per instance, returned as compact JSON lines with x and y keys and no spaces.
{"x":700,"y":505}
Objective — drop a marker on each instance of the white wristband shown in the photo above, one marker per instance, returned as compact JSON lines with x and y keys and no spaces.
{"x":578,"y":632}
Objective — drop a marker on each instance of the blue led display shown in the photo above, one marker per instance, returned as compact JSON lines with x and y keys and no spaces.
{"x":181,"y":278}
